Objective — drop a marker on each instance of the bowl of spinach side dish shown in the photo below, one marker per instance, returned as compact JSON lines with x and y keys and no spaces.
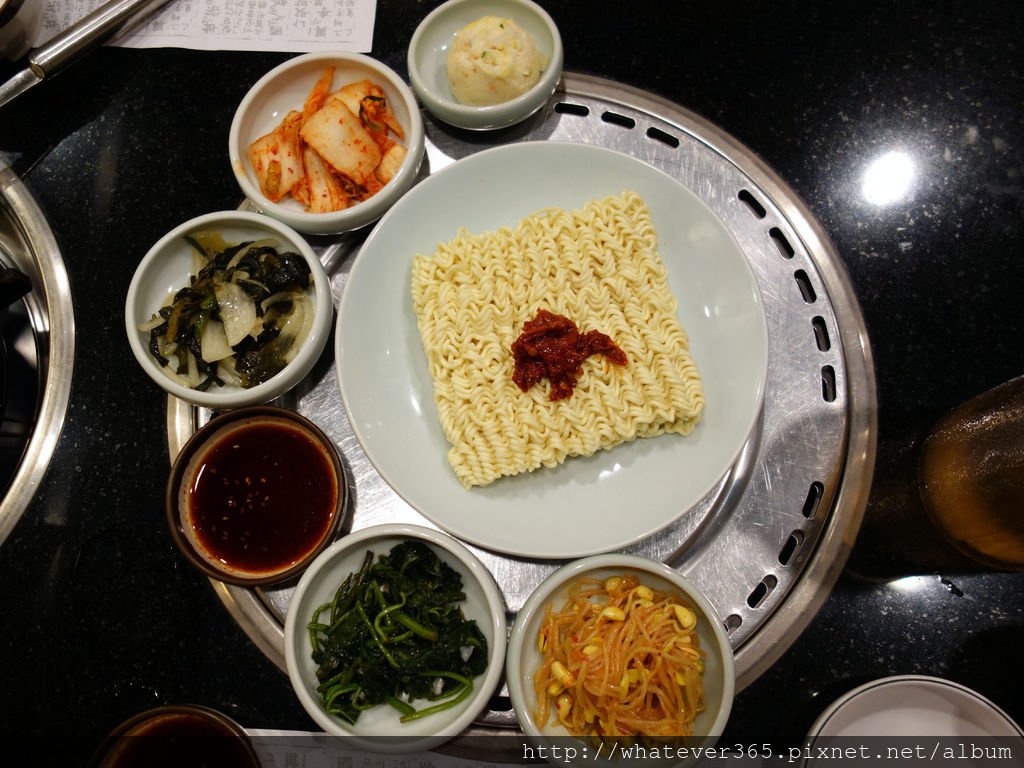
{"x":395,"y":636}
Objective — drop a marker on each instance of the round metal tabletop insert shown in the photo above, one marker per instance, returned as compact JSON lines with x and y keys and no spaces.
{"x":768,"y":542}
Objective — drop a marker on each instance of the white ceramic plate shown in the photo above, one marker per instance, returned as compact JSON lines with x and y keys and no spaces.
{"x":913,"y":705}
{"x":587,"y":505}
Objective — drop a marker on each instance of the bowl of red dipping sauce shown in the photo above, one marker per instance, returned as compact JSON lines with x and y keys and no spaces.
{"x":177,"y":735}
{"x":255,"y":495}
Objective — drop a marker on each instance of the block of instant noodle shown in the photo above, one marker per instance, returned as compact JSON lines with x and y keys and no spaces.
{"x":599,"y":266}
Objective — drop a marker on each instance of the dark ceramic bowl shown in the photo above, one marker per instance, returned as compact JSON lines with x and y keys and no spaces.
{"x":185,"y":734}
{"x":255,"y":495}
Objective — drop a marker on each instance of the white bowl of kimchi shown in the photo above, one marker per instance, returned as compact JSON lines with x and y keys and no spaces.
{"x":229,"y":309}
{"x":327,"y":142}
{"x":618,"y":645}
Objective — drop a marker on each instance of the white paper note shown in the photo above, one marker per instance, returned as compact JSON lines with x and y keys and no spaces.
{"x":297,"y":26}
{"x":290,"y":749}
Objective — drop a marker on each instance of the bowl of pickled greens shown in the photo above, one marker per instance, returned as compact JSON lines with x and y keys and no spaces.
{"x":229,"y":309}
{"x":395,"y":637}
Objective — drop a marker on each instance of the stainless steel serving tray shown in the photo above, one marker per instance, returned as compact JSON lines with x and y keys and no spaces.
{"x":768,"y":542}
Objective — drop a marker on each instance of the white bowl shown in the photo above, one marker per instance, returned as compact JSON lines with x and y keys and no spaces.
{"x":285,"y":88}
{"x":166,"y":268}
{"x":524,"y":658}
{"x":912,"y":705}
{"x":428,"y":62}
{"x":379,"y":729}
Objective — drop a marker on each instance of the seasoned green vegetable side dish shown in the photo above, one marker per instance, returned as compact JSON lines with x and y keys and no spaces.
{"x":241,"y":318}
{"x":395,"y":633}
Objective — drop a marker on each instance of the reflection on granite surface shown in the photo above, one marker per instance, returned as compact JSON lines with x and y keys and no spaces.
{"x":899,"y":124}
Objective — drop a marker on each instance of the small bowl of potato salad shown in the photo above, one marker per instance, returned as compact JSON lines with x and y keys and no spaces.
{"x":485,"y":64}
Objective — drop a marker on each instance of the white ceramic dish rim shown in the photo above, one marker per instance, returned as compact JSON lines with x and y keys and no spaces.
{"x":522,"y":634}
{"x":289,"y":211}
{"x":443,"y":105}
{"x":890,"y":688}
{"x":430,"y":731}
{"x":387,"y":374}
{"x":140,"y":297}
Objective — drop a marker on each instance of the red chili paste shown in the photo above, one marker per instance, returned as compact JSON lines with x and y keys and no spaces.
{"x":552,"y":347}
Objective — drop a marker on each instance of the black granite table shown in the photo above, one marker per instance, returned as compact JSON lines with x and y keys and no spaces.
{"x":101,"y":618}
